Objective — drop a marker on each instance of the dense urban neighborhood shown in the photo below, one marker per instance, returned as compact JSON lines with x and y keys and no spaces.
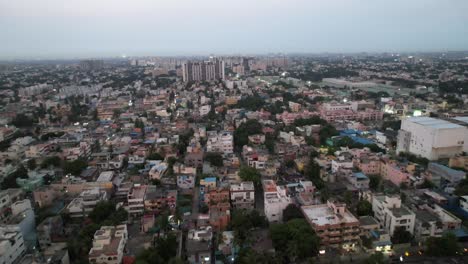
{"x":331,"y":158}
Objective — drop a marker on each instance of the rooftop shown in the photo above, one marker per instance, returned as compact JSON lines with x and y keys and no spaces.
{"x":322,"y":214}
{"x":433,"y":122}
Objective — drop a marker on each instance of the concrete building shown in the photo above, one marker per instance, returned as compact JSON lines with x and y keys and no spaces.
{"x":431,"y":138}
{"x":12,"y":246}
{"x":199,"y":245}
{"x":203,"y":71}
{"x":442,"y":175}
{"x":391,"y":213}
{"x":50,"y":231}
{"x":243,"y":195}
{"x":108,"y":245}
{"x":222,"y":142}
{"x":333,"y":223}
{"x":90,"y":65}
{"x":85,"y":203}
{"x":275,"y":200}
{"x":136,"y":199}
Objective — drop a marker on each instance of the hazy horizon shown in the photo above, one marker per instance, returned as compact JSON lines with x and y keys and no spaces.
{"x":56,"y":29}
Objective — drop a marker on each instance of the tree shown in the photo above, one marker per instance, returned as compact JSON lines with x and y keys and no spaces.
{"x":326,"y":132}
{"x":51,"y":161}
{"x":250,"y":174}
{"x":401,"y":235}
{"x":376,"y":258}
{"x":462,"y":187}
{"x":243,"y":221}
{"x":292,"y":212}
{"x":364,"y":208}
{"x":248,"y":256}
{"x":374,"y":182}
{"x":214,"y":159}
{"x":21,"y":120}
{"x":242,"y":133}
{"x":74,"y":167}
{"x":155,"y":156}
{"x":442,"y":246}
{"x":31,"y":164}
{"x":163,"y":252}
{"x":295,"y":240}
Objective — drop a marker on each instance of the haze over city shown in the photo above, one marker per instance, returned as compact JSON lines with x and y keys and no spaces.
{"x":233,"y":132}
{"x":89,"y":28}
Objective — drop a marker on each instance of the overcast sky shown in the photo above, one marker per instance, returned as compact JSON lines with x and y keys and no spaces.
{"x":97,"y":28}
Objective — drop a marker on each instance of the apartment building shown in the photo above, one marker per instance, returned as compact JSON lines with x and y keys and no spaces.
{"x":86,"y":202}
{"x":222,"y":142}
{"x":334,"y":224}
{"x":136,"y":199}
{"x":391,"y":213}
{"x":12,"y":246}
{"x":275,"y":200}
{"x":242,"y":195}
{"x":203,"y":71}
{"x":108,"y":245}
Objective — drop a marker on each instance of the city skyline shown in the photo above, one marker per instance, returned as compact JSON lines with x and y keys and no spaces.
{"x":51,"y":30}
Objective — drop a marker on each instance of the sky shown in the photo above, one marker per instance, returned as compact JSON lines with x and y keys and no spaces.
{"x":107,"y":28}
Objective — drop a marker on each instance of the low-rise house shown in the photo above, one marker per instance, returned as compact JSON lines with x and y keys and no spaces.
{"x":199,"y":245}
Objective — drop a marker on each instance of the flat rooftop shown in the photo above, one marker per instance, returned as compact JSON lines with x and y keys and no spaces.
{"x":433,"y":122}
{"x":322,"y":214}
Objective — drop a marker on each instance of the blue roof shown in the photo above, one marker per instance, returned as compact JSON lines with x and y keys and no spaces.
{"x":360,"y":175}
{"x":361,"y":140}
{"x":210,"y":179}
{"x":459,"y":232}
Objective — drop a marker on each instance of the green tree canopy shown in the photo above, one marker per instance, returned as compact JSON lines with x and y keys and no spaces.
{"x":250,"y":174}
{"x":292,"y":211}
{"x":401,"y":235}
{"x":442,"y":246}
{"x":215,"y":159}
{"x":364,"y":208}
{"x":295,"y":240}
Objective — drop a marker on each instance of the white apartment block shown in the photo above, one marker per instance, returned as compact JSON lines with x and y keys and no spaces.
{"x":431,"y":138}
{"x":108,"y":245}
{"x":12,"y":246}
{"x":275,"y":200}
{"x":243,"y":195}
{"x":136,"y":200}
{"x":391,"y":213}
{"x":86,"y":202}
{"x":222,"y":142}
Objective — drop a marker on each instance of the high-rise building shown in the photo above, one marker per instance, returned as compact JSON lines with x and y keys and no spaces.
{"x":89,"y":65}
{"x":203,"y":71}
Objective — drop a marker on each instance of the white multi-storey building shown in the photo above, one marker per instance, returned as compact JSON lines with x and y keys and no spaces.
{"x":12,"y":246}
{"x":243,"y":195}
{"x":222,"y":142}
{"x":275,"y":200}
{"x":86,"y":202}
{"x":431,"y":138}
{"x":108,"y":245}
{"x":136,"y":199}
{"x":391,"y":213}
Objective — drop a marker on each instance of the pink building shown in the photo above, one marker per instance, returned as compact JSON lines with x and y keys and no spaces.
{"x":392,"y":171}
